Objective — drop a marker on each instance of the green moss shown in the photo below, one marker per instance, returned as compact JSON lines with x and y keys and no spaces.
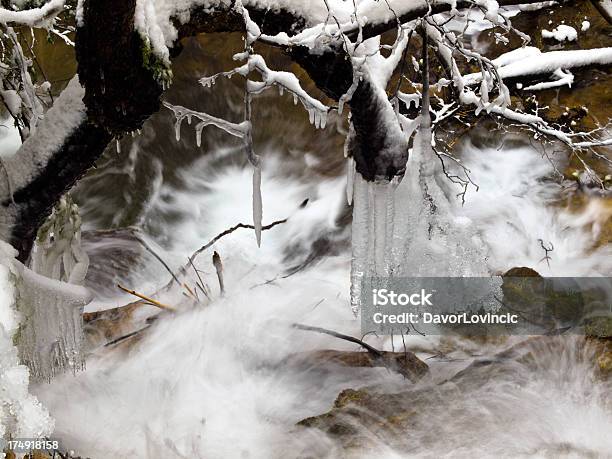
{"x":160,"y":69}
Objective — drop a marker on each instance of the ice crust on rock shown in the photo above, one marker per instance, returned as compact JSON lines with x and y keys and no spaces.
{"x":21,"y":414}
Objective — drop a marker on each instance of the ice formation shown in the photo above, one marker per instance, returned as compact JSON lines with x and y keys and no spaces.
{"x":50,"y":296}
{"x":409,"y":228}
{"x":51,"y":335}
{"x":21,"y":414}
{"x":57,"y":252}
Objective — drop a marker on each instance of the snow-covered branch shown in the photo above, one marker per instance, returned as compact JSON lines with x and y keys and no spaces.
{"x":285,"y":81}
{"x":34,"y":17}
{"x":530,"y":61}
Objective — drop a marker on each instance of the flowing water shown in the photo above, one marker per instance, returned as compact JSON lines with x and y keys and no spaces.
{"x":217,"y":380}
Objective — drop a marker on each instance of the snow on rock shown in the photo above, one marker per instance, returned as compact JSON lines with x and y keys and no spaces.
{"x":561,"y":33}
{"x":21,"y":414}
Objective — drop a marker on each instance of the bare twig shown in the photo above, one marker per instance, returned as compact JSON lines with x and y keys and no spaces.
{"x":352,"y":339}
{"x":548,"y":249}
{"x":209,"y":244}
{"x":124,"y":337}
{"x":159,"y":258}
{"x":228,"y":231}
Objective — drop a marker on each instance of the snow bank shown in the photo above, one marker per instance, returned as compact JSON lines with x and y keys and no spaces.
{"x":21,"y":414}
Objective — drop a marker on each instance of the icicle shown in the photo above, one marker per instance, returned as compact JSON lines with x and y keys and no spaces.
{"x":350,"y":179}
{"x":257,"y":204}
{"x":359,"y":240}
{"x":118,"y":146}
{"x":380,"y":205}
{"x":198,"y":132}
{"x":177,"y":128}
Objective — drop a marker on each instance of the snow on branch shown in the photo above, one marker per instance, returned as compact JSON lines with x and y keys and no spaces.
{"x":524,"y":61}
{"x":531,"y":61}
{"x":34,"y":17}
{"x":564,"y":77}
{"x":285,"y":81}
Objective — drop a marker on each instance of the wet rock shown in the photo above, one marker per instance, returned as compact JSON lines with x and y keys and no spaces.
{"x":405,"y":363}
{"x":598,"y":327}
{"x":521,"y":271}
{"x":604,"y":362}
{"x":374,"y":418}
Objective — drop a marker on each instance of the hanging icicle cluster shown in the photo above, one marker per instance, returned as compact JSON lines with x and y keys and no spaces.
{"x":51,"y":297}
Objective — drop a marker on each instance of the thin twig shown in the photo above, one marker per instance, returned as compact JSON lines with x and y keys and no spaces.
{"x":352,"y":339}
{"x":152,"y":252}
{"x":209,"y":244}
{"x":231,"y":230}
{"x":124,"y":337}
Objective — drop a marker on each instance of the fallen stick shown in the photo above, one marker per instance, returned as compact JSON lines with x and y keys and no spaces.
{"x":352,"y":339}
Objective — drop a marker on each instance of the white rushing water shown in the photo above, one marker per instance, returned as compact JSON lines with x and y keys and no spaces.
{"x":213,"y":382}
